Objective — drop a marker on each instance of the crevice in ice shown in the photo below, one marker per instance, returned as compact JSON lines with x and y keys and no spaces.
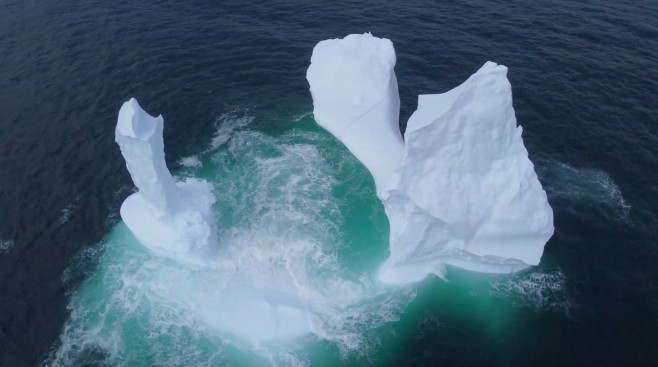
{"x":363,"y":114}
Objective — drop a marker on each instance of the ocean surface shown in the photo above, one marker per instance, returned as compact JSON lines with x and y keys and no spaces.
{"x":76,"y":288}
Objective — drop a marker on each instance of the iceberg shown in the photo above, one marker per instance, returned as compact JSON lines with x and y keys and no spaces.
{"x":175,"y":220}
{"x":171,"y":218}
{"x":460,"y":189}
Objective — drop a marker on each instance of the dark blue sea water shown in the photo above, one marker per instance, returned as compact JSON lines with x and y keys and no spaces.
{"x":229,"y":79}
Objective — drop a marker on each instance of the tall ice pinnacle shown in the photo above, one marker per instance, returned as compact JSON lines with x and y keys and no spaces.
{"x":172,"y":218}
{"x":175,"y":219}
{"x":460,"y":190}
{"x":139,"y":136}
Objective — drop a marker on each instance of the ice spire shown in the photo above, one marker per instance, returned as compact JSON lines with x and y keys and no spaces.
{"x":172,"y":218}
{"x":355,"y":97}
{"x":460,"y":190}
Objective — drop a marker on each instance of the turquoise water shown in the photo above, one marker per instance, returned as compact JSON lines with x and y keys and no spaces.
{"x":297,"y":211}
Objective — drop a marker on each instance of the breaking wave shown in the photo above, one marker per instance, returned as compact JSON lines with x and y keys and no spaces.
{"x":296,"y":212}
{"x":227,"y":124}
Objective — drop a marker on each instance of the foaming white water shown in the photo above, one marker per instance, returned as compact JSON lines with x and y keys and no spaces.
{"x":540,"y":290}
{"x":589,"y":185}
{"x":302,"y":116}
{"x":281,"y":243}
{"x":66,"y":214}
{"x":226,"y":125}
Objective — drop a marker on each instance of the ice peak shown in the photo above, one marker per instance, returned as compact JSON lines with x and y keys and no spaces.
{"x":134,"y":122}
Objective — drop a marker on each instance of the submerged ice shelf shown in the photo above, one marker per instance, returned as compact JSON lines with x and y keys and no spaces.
{"x":460,"y":190}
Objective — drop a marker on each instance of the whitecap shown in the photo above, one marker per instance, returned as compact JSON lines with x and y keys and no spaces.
{"x":191,"y":161}
{"x":280,"y":229}
{"x":302,"y":116}
{"x":540,"y":290}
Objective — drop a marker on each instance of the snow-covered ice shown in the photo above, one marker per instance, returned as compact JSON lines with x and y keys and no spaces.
{"x":460,"y":190}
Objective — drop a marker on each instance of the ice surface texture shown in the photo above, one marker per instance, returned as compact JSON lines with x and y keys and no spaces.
{"x":460,"y":190}
{"x":172,"y":218}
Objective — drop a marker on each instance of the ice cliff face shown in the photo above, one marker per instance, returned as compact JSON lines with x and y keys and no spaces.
{"x":175,"y":219}
{"x":460,"y":190}
{"x":171,"y":218}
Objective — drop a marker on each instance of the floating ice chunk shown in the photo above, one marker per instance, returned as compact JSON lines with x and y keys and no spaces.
{"x":355,"y":97}
{"x":171,"y":218}
{"x":460,"y":190}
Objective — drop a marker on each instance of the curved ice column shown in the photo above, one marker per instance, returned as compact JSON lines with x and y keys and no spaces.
{"x":140,"y":138}
{"x":355,"y":97}
{"x":460,"y":190}
{"x":466,"y":193}
{"x":172,"y":218}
